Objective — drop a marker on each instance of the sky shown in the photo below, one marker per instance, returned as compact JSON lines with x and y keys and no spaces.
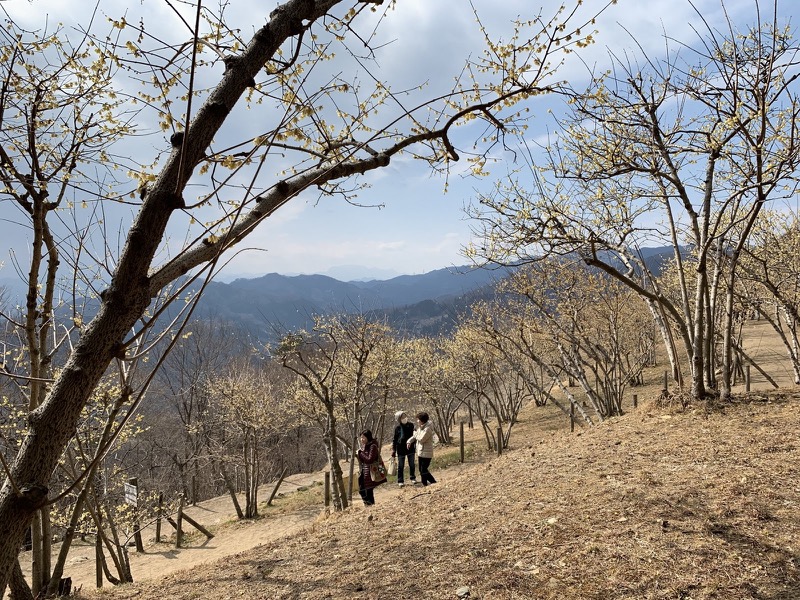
{"x":413,"y":226}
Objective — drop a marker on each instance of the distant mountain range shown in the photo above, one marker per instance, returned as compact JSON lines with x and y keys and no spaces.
{"x":269,"y":306}
{"x":272,"y":304}
{"x":427,"y":304}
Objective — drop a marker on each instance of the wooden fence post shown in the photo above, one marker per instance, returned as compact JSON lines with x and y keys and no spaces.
{"x":197,"y":526}
{"x":666,"y":383}
{"x":635,"y":400}
{"x":571,"y":417}
{"x":64,"y":587}
{"x":747,"y":378}
{"x":277,"y":485}
{"x":179,"y":523}
{"x":158,"y":516}
{"x":499,"y":441}
{"x":327,"y":492}
{"x":461,"y":440}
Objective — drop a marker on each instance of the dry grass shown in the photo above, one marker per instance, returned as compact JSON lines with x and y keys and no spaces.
{"x":685,"y":504}
{"x":666,"y":502}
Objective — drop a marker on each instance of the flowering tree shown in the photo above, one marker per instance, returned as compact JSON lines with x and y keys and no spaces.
{"x":68,"y":135}
{"x":344,"y":375}
{"x":682,"y":153}
{"x":249,"y":407}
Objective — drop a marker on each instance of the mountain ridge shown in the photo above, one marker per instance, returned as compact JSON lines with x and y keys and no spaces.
{"x":273,"y":301}
{"x":272,"y":304}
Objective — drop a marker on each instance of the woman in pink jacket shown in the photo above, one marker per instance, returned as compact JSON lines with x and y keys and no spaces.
{"x":369,"y":454}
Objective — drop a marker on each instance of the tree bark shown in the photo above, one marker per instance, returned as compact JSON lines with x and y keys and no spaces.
{"x":19,"y":587}
{"x":229,"y":485}
{"x":337,"y":477}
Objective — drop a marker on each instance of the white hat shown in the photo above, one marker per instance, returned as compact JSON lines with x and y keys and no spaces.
{"x":399,"y":414}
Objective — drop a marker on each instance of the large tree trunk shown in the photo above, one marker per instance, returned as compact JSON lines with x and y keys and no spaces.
{"x":19,"y":587}
{"x":53,"y":424}
{"x":131,"y":289}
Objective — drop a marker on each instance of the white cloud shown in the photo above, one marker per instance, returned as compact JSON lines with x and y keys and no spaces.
{"x":391,"y":246}
{"x":423,"y":41}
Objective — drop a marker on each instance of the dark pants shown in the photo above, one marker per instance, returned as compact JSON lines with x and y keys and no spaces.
{"x":368,"y":496}
{"x":425,"y":475}
{"x":401,"y":464}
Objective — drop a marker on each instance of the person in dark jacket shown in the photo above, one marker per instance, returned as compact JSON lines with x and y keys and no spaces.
{"x":403,"y":431}
{"x":368,"y":454}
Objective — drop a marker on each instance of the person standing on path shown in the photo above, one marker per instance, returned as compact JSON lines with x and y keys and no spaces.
{"x":369,"y":454}
{"x":423,"y":437}
{"x":403,"y":432}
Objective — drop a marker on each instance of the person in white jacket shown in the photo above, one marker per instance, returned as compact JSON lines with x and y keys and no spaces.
{"x":423,"y":437}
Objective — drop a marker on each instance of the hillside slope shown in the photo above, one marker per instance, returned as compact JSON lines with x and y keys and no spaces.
{"x":655,"y":504}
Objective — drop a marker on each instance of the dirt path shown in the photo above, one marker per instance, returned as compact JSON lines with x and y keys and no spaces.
{"x":217,"y":514}
{"x":763,"y":346}
{"x":231,"y":536}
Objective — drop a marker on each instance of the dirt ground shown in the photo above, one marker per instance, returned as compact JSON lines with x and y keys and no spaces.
{"x":230,"y":535}
{"x":664,"y":502}
{"x":218,"y":515}
{"x":675,"y":504}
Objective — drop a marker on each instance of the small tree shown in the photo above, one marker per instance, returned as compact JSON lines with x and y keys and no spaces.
{"x":476,"y":367}
{"x":248,"y":400}
{"x":345,"y":373}
{"x":92,"y":462}
{"x":314,"y":361}
{"x":682,"y":153}
{"x":515,"y":329}
{"x":431,"y":381}
{"x":599,"y":327}
{"x":366,"y":381}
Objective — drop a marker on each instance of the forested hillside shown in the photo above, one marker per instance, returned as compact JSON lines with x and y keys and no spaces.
{"x":274,"y":304}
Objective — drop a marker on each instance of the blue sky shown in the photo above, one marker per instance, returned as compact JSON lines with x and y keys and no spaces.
{"x":418,"y":228}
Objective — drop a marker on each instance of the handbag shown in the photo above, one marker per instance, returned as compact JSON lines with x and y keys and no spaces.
{"x":393,"y":466}
{"x":377,"y":471}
